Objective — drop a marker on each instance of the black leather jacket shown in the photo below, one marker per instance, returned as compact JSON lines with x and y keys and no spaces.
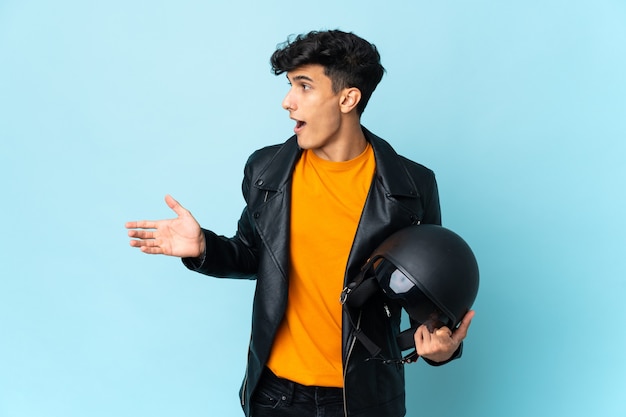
{"x":402,"y":193}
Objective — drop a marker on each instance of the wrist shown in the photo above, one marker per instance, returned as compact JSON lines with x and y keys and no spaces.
{"x":202,"y":246}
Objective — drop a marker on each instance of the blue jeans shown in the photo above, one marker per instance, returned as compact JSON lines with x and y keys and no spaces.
{"x":278,"y":397}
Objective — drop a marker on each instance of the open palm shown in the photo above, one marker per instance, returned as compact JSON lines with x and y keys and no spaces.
{"x":180,"y":237}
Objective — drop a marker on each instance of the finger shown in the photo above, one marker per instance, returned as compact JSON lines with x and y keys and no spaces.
{"x":175,"y":205}
{"x":141,"y":234}
{"x":152,"y":250}
{"x":443,"y":332}
{"x":151,"y":246}
{"x":423,"y":341}
{"x":422,"y":335}
{"x":461,"y":332}
{"x":142,"y":224}
{"x":139,"y":243}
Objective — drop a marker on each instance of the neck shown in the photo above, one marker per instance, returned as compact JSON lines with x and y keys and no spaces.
{"x":351,"y":144}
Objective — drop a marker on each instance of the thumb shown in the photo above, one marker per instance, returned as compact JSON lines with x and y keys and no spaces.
{"x":175,"y":205}
{"x":460,"y":333}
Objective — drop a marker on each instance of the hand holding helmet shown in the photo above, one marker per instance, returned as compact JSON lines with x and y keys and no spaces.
{"x":438,"y":345}
{"x":431,"y":272}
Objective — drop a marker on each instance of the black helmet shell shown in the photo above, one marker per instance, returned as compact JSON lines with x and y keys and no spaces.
{"x":439,"y":262}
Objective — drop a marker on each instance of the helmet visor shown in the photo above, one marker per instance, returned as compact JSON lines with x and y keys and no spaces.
{"x":403,"y":289}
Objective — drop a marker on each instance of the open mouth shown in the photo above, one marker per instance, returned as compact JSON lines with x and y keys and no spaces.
{"x":299,"y":126}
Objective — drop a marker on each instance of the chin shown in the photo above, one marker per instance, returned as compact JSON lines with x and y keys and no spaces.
{"x":303,"y":144}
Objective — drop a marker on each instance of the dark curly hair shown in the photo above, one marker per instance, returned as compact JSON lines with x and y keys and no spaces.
{"x":348,"y":60}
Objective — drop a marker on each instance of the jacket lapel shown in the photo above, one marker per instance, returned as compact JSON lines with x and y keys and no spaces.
{"x":271,"y":206}
{"x":390,"y":204}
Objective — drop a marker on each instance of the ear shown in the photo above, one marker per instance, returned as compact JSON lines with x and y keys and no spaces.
{"x":349,"y":99}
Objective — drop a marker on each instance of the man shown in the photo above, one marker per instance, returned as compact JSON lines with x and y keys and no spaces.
{"x":316,"y":207}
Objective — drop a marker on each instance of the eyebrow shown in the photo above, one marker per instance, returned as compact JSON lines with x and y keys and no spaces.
{"x":301,"y":78}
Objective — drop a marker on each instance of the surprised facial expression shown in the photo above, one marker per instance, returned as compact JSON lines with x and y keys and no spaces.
{"x":314,"y":106}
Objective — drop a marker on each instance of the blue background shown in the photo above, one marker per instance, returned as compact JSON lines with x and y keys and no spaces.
{"x":519,"y":107}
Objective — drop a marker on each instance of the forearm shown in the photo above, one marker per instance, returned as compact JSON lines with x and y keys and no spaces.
{"x":224,"y":257}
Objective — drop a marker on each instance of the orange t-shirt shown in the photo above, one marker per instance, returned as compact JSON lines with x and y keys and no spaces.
{"x":326,"y":205}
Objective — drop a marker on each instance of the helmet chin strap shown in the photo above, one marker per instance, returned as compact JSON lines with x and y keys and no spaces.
{"x":406,"y":341}
{"x":406,"y":338}
{"x":355,"y":295}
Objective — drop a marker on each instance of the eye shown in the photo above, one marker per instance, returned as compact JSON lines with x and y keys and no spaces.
{"x":306,"y":87}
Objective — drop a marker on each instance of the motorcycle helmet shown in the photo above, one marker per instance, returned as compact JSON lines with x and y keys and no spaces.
{"x":430,"y":271}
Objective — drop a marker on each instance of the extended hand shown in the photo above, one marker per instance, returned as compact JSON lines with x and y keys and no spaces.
{"x":180,"y":237}
{"x":440,"y":345}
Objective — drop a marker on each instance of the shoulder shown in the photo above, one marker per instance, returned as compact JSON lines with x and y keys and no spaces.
{"x":415,"y":169}
{"x":390,"y":162}
{"x":263,"y":156}
{"x":269,"y":168}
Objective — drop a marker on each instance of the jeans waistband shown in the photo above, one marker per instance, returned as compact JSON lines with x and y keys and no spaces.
{"x":307,"y":389}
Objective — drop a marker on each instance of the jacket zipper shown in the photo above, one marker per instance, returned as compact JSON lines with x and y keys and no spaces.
{"x":345,"y":369}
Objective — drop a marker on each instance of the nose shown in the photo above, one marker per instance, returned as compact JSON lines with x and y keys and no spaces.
{"x":288,"y":102}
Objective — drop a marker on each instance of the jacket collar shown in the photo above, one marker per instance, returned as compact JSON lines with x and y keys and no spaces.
{"x":389,"y":167}
{"x":275,"y":175}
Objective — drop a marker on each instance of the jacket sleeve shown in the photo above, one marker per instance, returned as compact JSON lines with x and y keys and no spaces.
{"x":456,"y":355}
{"x":432,"y":209}
{"x":234,"y":257}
